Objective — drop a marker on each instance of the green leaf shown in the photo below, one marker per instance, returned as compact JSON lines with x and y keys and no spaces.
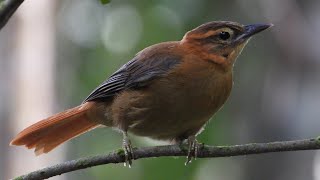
{"x":105,"y":1}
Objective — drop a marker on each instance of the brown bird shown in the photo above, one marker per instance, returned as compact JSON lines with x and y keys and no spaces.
{"x":168,"y":91}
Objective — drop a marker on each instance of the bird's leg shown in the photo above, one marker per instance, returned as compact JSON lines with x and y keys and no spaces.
{"x":193,"y":149}
{"x":128,"y":152}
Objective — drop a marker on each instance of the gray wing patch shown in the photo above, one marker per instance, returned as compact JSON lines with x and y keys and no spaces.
{"x":136,"y":73}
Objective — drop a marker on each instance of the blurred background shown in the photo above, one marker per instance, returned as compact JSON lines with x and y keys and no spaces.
{"x":54,"y":53}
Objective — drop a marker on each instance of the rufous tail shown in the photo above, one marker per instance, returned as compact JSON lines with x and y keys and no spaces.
{"x":47,"y":134}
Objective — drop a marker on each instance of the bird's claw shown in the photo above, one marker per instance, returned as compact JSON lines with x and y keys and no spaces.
{"x":128,"y":151}
{"x":193,"y":149}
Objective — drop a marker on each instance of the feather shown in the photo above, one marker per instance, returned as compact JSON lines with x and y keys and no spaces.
{"x":47,"y":134}
{"x":136,"y":73}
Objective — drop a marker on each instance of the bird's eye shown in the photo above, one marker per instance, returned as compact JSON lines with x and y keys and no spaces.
{"x":224,"y":35}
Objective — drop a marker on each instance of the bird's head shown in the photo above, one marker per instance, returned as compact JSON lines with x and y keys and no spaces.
{"x":221,"y":42}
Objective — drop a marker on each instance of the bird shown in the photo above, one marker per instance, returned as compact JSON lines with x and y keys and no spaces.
{"x":167,"y":91}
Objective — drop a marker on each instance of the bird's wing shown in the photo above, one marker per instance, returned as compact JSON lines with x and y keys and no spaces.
{"x":136,"y":73}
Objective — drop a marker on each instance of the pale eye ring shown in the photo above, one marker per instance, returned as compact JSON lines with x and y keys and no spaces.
{"x":224,"y":35}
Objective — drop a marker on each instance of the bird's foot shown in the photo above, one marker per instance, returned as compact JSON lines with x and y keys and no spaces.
{"x":194,"y":147}
{"x":128,"y":152}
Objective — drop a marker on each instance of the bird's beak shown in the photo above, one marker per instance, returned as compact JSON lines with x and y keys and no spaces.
{"x":252,"y":29}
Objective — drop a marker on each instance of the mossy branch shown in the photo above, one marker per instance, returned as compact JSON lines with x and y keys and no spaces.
{"x":174,"y":150}
{"x":7,"y":8}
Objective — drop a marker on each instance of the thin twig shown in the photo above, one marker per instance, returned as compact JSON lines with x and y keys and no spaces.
{"x":174,"y":150}
{"x":7,"y":8}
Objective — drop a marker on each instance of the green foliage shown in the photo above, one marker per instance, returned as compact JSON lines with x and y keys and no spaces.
{"x":105,"y":1}
{"x":18,"y":178}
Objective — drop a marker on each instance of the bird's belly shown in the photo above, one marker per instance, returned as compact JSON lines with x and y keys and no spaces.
{"x":178,"y":115}
{"x":167,"y":125}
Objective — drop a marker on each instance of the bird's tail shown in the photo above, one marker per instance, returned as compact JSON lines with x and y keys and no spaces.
{"x":47,"y":134}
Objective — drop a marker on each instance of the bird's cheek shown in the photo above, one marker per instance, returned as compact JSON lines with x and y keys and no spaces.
{"x":241,"y":46}
{"x":232,"y":56}
{"x":235,"y":53}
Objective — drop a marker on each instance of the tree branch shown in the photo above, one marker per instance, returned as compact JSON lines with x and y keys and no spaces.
{"x":7,"y":8}
{"x":173,"y":150}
